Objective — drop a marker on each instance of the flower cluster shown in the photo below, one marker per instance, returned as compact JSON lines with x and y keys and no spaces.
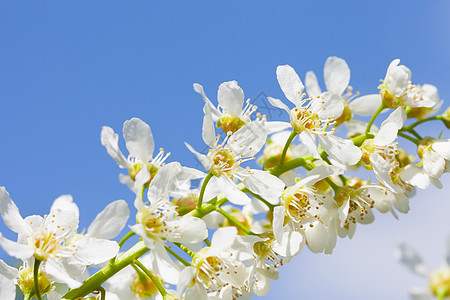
{"x":225,"y":231}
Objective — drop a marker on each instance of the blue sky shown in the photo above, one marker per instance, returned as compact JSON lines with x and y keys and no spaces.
{"x":68,"y":68}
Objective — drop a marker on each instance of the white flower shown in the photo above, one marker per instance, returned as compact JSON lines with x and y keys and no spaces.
{"x":224,"y":162}
{"x":435,"y":155}
{"x":230,"y":114}
{"x":214,"y":268}
{"x":337,"y":77}
{"x":311,"y":116}
{"x":397,"y":89}
{"x":139,"y":141}
{"x":308,"y":214}
{"x":51,"y":239}
{"x":159,"y":222}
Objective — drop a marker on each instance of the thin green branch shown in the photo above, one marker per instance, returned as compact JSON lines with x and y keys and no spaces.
{"x":179,"y":258}
{"x":375,"y":115}
{"x":202,"y":191}
{"x":96,"y":280}
{"x":102,"y":293}
{"x":270,"y":206}
{"x":185,"y":249}
{"x":234,"y":221}
{"x":286,"y":147}
{"x":152,"y":277}
{"x":37,"y":292}
{"x":409,"y":138}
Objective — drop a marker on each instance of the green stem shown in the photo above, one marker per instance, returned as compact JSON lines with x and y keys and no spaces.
{"x":423,"y":121}
{"x":375,"y":115}
{"x":270,"y":206}
{"x":333,"y":185}
{"x":409,"y":138}
{"x":37,"y":262}
{"x":125,"y":238}
{"x":286,"y":147}
{"x":290,"y":165}
{"x":152,"y":277}
{"x":234,"y":221}
{"x":122,"y":241}
{"x":96,"y":280}
{"x":27,"y":297}
{"x":180,"y":259}
{"x":202,"y":191}
{"x":416,"y":134}
{"x":102,"y":293}
{"x":207,"y":242}
{"x":185,"y":249}
{"x":207,"y":208}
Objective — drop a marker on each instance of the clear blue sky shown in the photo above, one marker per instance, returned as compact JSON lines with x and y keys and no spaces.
{"x":68,"y":68}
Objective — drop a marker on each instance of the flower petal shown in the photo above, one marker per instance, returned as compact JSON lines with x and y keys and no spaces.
{"x":343,"y":151}
{"x":365,"y":105}
{"x":248,"y":140}
{"x":442,"y":147}
{"x":208,"y":130}
{"x":277,"y":103}
{"x":312,"y":85}
{"x":139,"y":139}
{"x":16,"y":250}
{"x":264,"y":184}
{"x":110,"y":221}
{"x":433,"y":163}
{"x":110,"y":141}
{"x":215,"y":113}
{"x":8,"y":271}
{"x":193,"y":229}
{"x":10,"y":214}
{"x":231,"y":98}
{"x":336,"y":74}
{"x":290,"y":84}
{"x":65,"y":202}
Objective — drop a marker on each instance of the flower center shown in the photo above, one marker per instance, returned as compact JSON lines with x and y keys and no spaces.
{"x":143,"y":287}
{"x":134,"y":170}
{"x":45,"y":244}
{"x":300,"y":205}
{"x":303,"y":119}
{"x":224,"y":162}
{"x":208,"y":269}
{"x":230,"y":123}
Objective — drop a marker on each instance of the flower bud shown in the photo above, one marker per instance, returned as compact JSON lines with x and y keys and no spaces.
{"x":186,"y":204}
{"x":403,"y":158}
{"x":440,"y":283}
{"x":26,"y":282}
{"x":446,"y":117}
{"x":417,"y":112}
{"x":143,"y":287}
{"x":242,"y":218}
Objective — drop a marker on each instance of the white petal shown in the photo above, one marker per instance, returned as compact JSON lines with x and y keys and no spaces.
{"x":264,"y":184}
{"x":397,"y":117}
{"x":208,"y":130}
{"x":292,"y":243}
{"x":442,"y":147}
{"x":248,"y":140}
{"x":276,"y":126}
{"x":430,"y":92}
{"x":343,"y":151}
{"x":433,"y":163}
{"x":8,"y":271}
{"x":110,"y":141}
{"x":186,"y":276}
{"x":397,"y":78}
{"x":319,"y":173}
{"x":409,"y":257}
{"x":215,"y":113}
{"x":222,"y":240}
{"x":365,"y":105}
{"x":8,"y":289}
{"x":415,"y":176}
{"x":262,"y":285}
{"x":278,"y":220}
{"x":203,"y":159}
{"x":92,"y":251}
{"x":309,"y":140}
{"x":197,"y":292}
{"x":10,"y":214}
{"x":232,"y":192}
{"x":65,"y":202}
{"x":164,"y":265}
{"x":290,"y":84}
{"x":386,"y":135}
{"x":312,"y":85}
{"x":110,"y":222}
{"x":139,"y":139}
{"x":329,"y":106}
{"x":316,"y":237}
{"x":16,"y":250}
{"x":420,"y":293}
{"x":60,"y":222}
{"x":64,"y":272}
{"x":336,"y":74}
{"x":277,"y":103}
{"x":164,"y":181}
{"x":231,"y":97}
{"x":140,"y":230}
{"x":193,"y":229}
